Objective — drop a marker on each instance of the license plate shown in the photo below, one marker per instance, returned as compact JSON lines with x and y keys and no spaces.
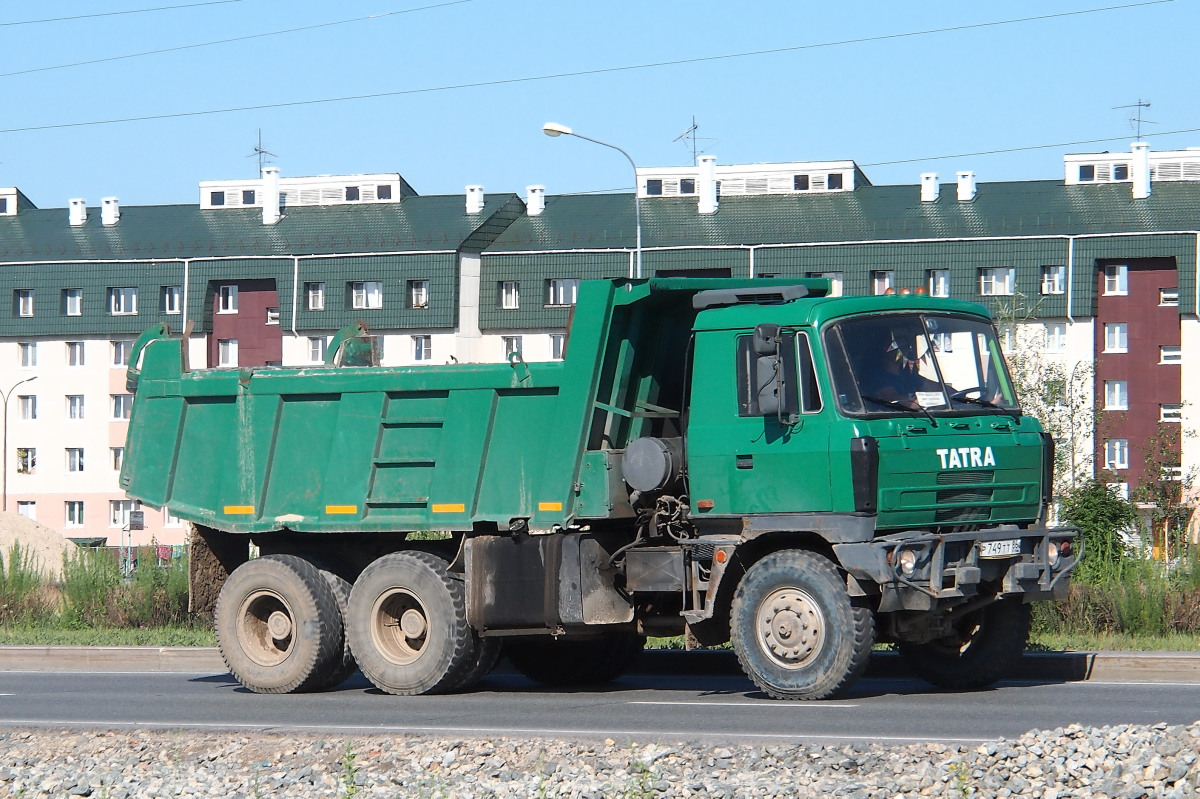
{"x":1000,"y":549}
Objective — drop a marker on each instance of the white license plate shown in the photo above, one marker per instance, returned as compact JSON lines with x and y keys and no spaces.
{"x":1000,"y":549}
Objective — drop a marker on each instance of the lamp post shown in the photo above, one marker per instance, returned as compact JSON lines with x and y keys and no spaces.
{"x":554,"y":129}
{"x":4,"y":395}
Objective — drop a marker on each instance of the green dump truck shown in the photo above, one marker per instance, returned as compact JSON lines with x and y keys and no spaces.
{"x":731,"y":460}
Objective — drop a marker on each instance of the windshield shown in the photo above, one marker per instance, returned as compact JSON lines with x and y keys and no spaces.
{"x":918,"y":363}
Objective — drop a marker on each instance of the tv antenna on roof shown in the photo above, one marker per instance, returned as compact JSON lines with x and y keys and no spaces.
{"x":261,"y":152}
{"x":689,"y":136}
{"x":1136,"y":121}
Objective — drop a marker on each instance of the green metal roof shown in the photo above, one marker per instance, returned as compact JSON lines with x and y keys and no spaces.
{"x":437,"y":223}
{"x":869,"y":213}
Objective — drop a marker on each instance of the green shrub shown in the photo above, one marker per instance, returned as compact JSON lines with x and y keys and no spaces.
{"x":24,"y":593}
{"x":89,"y":578}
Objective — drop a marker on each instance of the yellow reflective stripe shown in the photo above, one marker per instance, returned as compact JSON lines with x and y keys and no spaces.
{"x":238,"y":510}
{"x":450,"y":507}
{"x":549,"y":506}
{"x":332,"y":509}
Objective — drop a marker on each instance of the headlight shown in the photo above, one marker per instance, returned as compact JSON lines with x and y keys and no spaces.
{"x":1052,"y":553}
{"x":906,"y":560}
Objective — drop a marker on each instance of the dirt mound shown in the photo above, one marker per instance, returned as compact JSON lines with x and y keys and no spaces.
{"x":38,"y":543}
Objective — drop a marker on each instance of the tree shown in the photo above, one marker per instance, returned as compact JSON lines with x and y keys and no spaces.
{"x":1164,"y":491}
{"x":1101,"y":516}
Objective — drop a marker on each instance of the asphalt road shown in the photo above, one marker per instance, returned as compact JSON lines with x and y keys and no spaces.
{"x":711,"y":708}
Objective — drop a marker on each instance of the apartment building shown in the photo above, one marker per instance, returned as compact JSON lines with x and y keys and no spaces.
{"x":1100,"y":267}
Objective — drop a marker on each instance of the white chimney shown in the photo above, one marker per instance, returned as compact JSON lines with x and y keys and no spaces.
{"x":966,"y":186}
{"x":474,"y":199}
{"x":1141,"y":170}
{"x":110,"y":210}
{"x":929,"y":187}
{"x":535,"y":200}
{"x":78,"y":212}
{"x":708,"y":184}
{"x":270,"y":195}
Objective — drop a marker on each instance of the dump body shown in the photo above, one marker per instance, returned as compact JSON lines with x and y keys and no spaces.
{"x":726,"y":458}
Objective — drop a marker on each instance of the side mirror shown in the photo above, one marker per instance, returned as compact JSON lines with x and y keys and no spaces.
{"x":766,"y":339}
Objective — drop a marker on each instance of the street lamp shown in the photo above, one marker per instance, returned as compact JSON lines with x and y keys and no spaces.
{"x":4,"y":395}
{"x":554,"y":129}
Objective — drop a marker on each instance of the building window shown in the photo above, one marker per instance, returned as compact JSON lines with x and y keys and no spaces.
{"x":997,"y":281}
{"x":74,"y":459}
{"x":227,"y":352}
{"x":1120,"y":489}
{"x":27,"y":353}
{"x":383,"y":192}
{"x":512,"y":345}
{"x":1170,"y":412}
{"x":27,"y":406}
{"x":800,"y":182}
{"x":27,"y":508}
{"x":561,"y":291}
{"x":1054,"y":279}
{"x":510,"y":295}
{"x":26,"y":460}
{"x":317,"y":347}
{"x":1087,"y":173}
{"x":1169,"y":297}
{"x":170,"y":519}
{"x":272,"y":316}
{"x":119,"y":510}
{"x":558,"y":346}
{"x":939,"y":282}
{"x":72,"y":302}
{"x":120,"y":352}
{"x":835,"y":281}
{"x":1116,"y":279}
{"x":171,"y":299}
{"x":216,"y":198}
{"x":1116,"y":395}
{"x":422,"y":348}
{"x":74,"y":406}
{"x":248,"y":197}
{"x":654,"y":187}
{"x":122,"y":405}
{"x":1172,"y":471}
{"x":74,"y":353}
{"x":352,"y":194}
{"x":1116,"y":337}
{"x":834,"y":180}
{"x":74,"y":513}
{"x":418,"y":294}
{"x":1116,"y":453}
{"x":227,"y":299}
{"x":1170,"y":354}
{"x":315,"y":292}
{"x":883,"y":281}
{"x":118,"y":457}
{"x":1120,"y":171}
{"x":122,"y":301}
{"x":23,"y":302}
{"x":1056,"y":337}
{"x":687,"y":185}
{"x":366,"y":294}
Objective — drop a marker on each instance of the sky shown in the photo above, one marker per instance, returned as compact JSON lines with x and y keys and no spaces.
{"x":455,"y":92}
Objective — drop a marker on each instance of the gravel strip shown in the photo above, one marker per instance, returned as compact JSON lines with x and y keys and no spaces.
{"x":1120,"y":761}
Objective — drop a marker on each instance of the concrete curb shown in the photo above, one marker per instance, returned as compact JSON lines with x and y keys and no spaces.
{"x":1054,"y":666}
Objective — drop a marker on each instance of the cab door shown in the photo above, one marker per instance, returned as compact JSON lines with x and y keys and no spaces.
{"x":757,"y":441}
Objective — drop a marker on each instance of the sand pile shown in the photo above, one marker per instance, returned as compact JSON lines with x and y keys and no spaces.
{"x":37,"y":541}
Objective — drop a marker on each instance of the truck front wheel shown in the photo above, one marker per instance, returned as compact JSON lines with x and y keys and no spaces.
{"x":794,"y":629}
{"x":985,"y":648}
{"x":278,"y":625}
{"x":407,"y":625}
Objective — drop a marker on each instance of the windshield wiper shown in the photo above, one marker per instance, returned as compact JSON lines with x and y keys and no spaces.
{"x":1016,"y":414}
{"x":901,"y":406}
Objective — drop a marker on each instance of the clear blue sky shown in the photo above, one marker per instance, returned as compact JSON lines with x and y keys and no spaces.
{"x":886,"y":97}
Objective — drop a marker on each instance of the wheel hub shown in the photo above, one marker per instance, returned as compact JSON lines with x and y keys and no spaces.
{"x":791,"y":627}
{"x":399,"y":626}
{"x":279,"y":625}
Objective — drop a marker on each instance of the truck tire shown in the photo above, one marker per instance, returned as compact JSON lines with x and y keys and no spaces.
{"x":342,"y":670}
{"x":574,"y":661}
{"x":278,"y":625}
{"x":989,"y":643}
{"x":482,"y":662}
{"x":407,"y":625}
{"x":794,"y":629}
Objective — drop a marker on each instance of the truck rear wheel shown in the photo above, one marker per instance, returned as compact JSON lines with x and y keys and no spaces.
{"x":278,"y":625}
{"x":407,"y":625}
{"x":794,"y":629}
{"x":342,"y":669}
{"x":986,"y":648}
{"x":574,"y":661}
